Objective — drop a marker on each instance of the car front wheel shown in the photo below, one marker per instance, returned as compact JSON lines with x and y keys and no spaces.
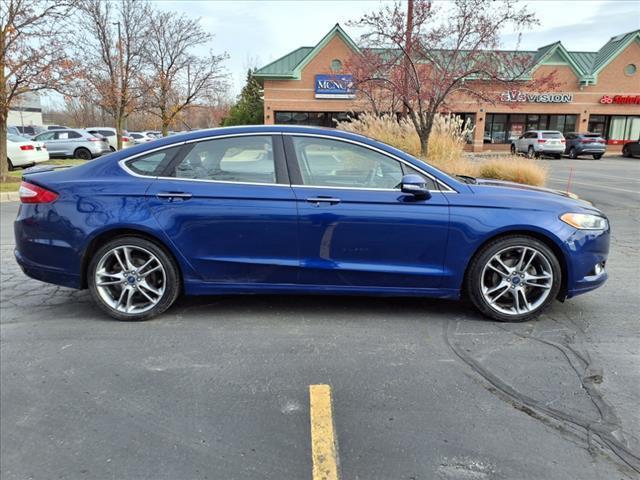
{"x":132,"y":279}
{"x":513,"y":149}
{"x":513,"y":279}
{"x":573,"y":153}
{"x":531,"y":152}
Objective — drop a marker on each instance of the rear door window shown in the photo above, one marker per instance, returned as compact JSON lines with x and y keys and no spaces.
{"x":247,"y":159}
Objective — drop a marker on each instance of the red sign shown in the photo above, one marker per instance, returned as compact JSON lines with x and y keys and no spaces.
{"x":621,"y":99}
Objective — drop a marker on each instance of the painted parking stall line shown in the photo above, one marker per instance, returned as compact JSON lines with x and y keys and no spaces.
{"x":324,"y":447}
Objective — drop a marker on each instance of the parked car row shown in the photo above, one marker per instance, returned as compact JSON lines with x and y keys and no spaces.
{"x":553,"y":143}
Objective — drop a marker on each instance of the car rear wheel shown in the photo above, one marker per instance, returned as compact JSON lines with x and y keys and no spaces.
{"x":513,"y":279}
{"x":133,"y":279}
{"x":83,"y":154}
{"x":573,"y":153}
{"x":626,"y":152}
{"x":513,"y":149}
{"x":10,"y":165}
{"x":531,"y":152}
{"x":597,"y":156}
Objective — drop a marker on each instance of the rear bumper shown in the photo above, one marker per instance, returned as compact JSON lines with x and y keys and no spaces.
{"x":47,"y":274}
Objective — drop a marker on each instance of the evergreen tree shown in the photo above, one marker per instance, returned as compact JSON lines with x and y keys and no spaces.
{"x":249,"y":109}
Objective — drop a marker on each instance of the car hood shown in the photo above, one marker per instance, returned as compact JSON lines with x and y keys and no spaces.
{"x":541,"y":193}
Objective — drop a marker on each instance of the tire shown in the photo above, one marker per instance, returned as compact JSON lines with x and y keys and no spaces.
{"x":112,"y":149}
{"x":597,"y":156}
{"x":513,"y":149}
{"x":83,"y":154}
{"x":531,"y":153}
{"x":573,"y":154}
{"x":557,"y":157}
{"x":481,"y":278}
{"x":155,"y":289}
{"x":10,"y":166}
{"x":626,"y":152}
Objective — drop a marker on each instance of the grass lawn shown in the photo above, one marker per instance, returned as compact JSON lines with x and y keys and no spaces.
{"x":17,"y":174}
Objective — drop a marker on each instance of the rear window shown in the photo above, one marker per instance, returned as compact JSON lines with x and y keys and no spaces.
{"x":551,"y":135}
{"x":153,"y":164}
{"x":591,"y":135}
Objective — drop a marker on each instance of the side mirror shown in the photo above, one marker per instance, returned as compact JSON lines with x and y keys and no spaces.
{"x":414,"y":185}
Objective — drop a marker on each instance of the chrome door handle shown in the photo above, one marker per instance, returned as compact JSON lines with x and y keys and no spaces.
{"x":174,"y":195}
{"x":319,"y":200}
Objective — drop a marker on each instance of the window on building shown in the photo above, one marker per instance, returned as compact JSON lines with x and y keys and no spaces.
{"x":318,"y":119}
{"x":336,"y":65}
{"x":504,"y":128}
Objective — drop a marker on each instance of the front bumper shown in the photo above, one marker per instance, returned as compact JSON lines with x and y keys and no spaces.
{"x":588,"y":248}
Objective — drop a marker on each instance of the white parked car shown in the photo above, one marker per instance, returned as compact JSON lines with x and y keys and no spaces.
{"x":141,"y":137}
{"x":22,"y":152}
{"x":111,"y":136}
{"x":539,"y":142}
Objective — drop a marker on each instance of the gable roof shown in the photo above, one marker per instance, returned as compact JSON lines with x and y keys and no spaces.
{"x":586,"y":65}
{"x":291,"y":65}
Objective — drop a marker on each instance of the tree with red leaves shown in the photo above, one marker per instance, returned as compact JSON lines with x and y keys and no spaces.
{"x":422,"y":58}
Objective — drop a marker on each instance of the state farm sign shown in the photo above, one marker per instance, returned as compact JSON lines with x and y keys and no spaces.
{"x":532,"y":97}
{"x":620,"y":99}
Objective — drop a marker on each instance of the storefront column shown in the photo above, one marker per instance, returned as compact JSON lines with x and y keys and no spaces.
{"x":478,"y":133}
{"x":268,"y":115}
{"x":582,"y":122}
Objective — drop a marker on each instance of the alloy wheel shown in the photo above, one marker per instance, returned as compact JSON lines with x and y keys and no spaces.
{"x":516,"y":280}
{"x":130,"y":279}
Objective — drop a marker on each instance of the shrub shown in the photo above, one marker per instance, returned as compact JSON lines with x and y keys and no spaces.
{"x":446,"y":148}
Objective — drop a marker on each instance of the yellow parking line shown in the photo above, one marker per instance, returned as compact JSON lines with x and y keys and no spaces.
{"x":324,"y":450}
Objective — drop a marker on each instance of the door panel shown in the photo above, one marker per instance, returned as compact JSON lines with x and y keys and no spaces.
{"x":371,"y":238}
{"x":230,"y":232}
{"x":369,"y":234}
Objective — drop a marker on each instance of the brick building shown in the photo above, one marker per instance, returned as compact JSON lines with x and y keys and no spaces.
{"x":598,"y":91}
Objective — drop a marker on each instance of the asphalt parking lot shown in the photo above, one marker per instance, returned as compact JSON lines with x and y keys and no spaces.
{"x":218,"y":387}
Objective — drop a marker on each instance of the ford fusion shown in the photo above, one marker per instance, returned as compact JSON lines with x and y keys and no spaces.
{"x":300,"y":210}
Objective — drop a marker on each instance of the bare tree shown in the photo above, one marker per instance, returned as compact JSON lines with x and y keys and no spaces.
{"x":109,"y":44}
{"x":31,"y":57}
{"x":432,"y":54}
{"x":177,"y":77}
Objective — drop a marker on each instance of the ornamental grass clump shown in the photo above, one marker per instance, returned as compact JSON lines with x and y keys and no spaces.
{"x":446,"y":148}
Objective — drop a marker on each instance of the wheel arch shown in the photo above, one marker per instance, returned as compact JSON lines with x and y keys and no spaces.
{"x":540,"y":236}
{"x":103,"y":237}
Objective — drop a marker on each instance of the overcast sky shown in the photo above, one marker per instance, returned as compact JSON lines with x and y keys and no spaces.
{"x":257,"y":32}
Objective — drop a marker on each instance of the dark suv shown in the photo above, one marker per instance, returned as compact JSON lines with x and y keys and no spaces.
{"x":585,"y":144}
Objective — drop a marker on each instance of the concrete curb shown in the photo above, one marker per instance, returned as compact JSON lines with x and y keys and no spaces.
{"x":9,"y":197}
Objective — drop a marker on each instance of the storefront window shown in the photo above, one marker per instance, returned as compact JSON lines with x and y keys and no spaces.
{"x":502,"y":128}
{"x":597,"y":124}
{"x":318,"y":119}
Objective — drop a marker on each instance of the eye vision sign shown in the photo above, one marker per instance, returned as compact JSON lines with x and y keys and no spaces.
{"x":334,"y":86}
{"x":533,"y":97}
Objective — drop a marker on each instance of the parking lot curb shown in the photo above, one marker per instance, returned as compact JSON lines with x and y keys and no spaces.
{"x":9,"y":197}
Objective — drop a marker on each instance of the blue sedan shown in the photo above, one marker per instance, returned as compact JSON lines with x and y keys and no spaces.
{"x":283,"y":210}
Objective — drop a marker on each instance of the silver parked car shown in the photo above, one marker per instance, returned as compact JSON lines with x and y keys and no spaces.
{"x":73,"y":143}
{"x":535,"y":143}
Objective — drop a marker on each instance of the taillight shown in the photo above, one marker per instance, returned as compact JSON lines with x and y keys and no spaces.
{"x":125,"y":139}
{"x":541,"y":140}
{"x":563,"y":140}
{"x":94,"y":139}
{"x":26,"y":147}
{"x":30,"y":193}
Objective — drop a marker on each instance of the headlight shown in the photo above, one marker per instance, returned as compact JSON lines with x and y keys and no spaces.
{"x":585,"y":221}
